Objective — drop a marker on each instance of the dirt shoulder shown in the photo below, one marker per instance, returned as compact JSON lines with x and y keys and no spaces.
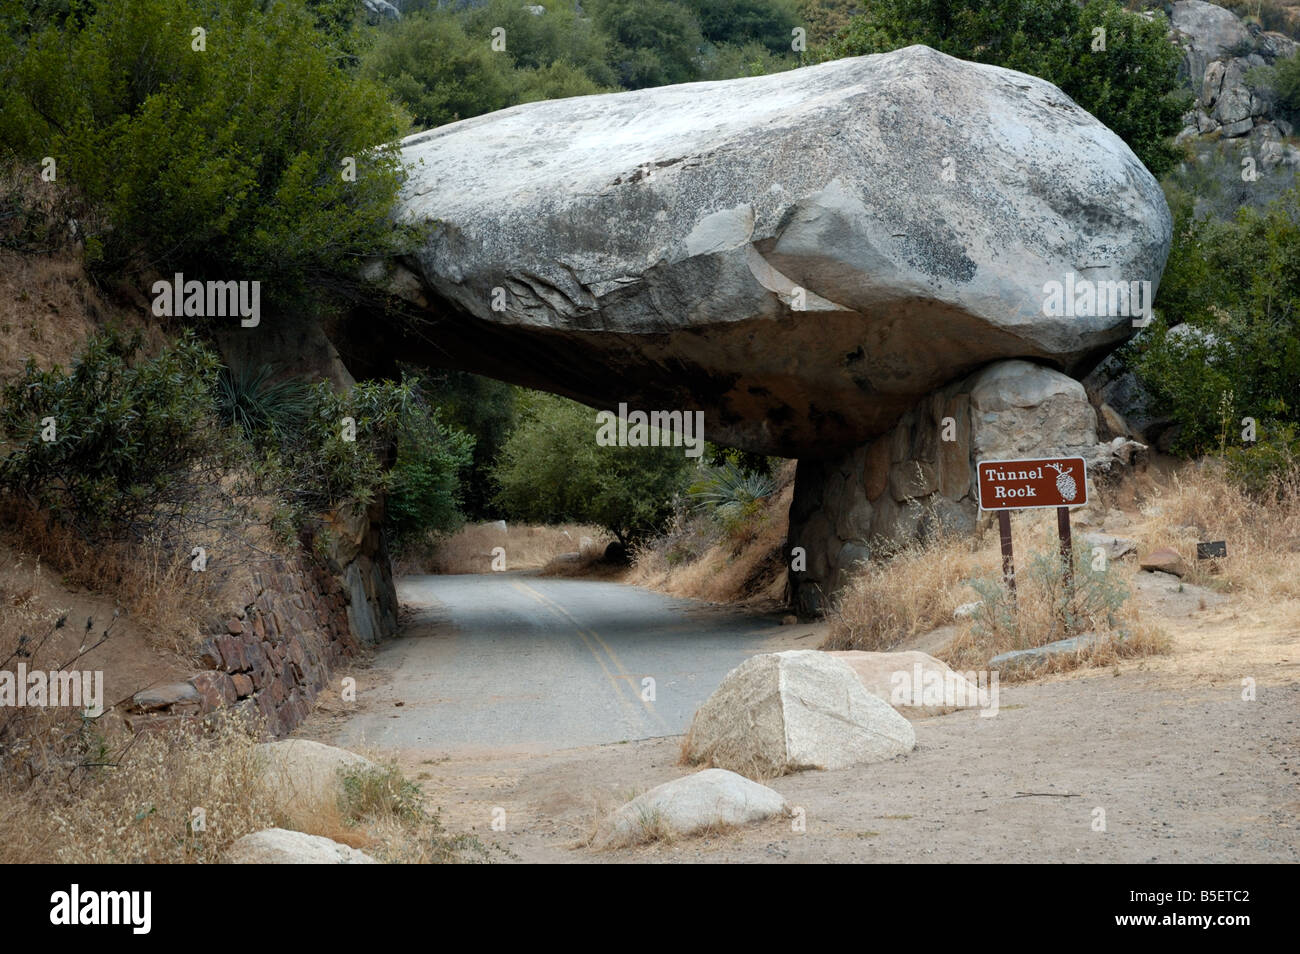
{"x":1182,"y":776}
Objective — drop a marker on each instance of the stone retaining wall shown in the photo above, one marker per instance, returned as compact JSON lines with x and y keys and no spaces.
{"x":277,"y":648}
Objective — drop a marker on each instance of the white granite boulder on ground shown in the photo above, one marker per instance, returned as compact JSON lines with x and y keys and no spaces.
{"x":280,"y":846}
{"x":713,"y":798}
{"x":301,"y":773}
{"x":915,"y":684}
{"x":783,"y":712}
{"x":785,"y":244}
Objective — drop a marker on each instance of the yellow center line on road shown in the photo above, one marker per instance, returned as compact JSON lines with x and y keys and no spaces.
{"x":630,"y":709}
{"x":613,"y":657}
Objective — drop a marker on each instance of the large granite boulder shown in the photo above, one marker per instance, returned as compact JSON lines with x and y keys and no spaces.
{"x":1207,"y":32}
{"x":801,"y":709}
{"x":915,"y":684}
{"x":304,"y":776}
{"x":800,"y":256}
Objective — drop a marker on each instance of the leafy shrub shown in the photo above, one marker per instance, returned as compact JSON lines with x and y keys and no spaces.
{"x":733,"y":61}
{"x":379,"y":438}
{"x":557,"y":80}
{"x":1283,"y":78}
{"x":230,"y":157}
{"x":128,"y":433}
{"x":37,"y":217}
{"x":379,"y":791}
{"x":1132,"y":86}
{"x":727,"y":489}
{"x":734,"y":498}
{"x":346,"y":446}
{"x":1235,"y":285}
{"x":1045,"y":607}
{"x":425,"y":483}
{"x":1263,"y":468}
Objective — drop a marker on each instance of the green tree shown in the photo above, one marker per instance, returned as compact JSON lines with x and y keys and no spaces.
{"x":1131,"y":85}
{"x":558,"y":80}
{"x":653,"y":42}
{"x":225,"y":162}
{"x":551,"y":470}
{"x":768,"y":22}
{"x":425,"y":487}
{"x":535,"y":41}
{"x":488,"y":411}
{"x":437,"y":72}
{"x":732,"y":61}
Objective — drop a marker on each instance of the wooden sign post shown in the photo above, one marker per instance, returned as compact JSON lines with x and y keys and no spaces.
{"x":1006,"y":485}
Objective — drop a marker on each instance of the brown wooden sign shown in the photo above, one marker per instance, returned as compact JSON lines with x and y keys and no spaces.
{"x":1006,"y":485}
{"x":1029,"y":484}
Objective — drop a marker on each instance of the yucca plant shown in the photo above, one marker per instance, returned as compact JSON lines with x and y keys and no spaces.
{"x":251,"y":399}
{"x":727,"y":491}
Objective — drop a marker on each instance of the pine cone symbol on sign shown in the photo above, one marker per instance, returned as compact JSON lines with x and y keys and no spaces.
{"x":1065,"y":482}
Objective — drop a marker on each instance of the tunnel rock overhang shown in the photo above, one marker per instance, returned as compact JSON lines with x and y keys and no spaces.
{"x":787,"y":254}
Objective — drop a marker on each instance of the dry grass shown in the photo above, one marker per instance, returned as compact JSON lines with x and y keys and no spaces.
{"x":527,"y":547}
{"x":908,"y":593}
{"x":650,"y":827}
{"x":917,"y":589}
{"x":382,"y":813}
{"x":134,"y":798}
{"x":85,"y":790}
{"x":1046,"y":609}
{"x":742,"y":562}
{"x":32,"y":740}
{"x":151,"y":585}
{"x":1198,"y":504}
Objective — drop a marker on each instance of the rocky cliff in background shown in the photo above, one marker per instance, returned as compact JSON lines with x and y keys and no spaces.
{"x":1233,"y":117}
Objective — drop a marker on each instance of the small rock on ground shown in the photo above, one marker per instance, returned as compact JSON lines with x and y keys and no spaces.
{"x":1039,"y":655}
{"x":1165,"y":560}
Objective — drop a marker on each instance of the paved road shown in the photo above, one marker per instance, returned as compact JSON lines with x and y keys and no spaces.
{"x":504,"y":661}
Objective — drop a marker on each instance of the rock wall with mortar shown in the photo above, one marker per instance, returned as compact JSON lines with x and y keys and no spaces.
{"x":907,"y":483}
